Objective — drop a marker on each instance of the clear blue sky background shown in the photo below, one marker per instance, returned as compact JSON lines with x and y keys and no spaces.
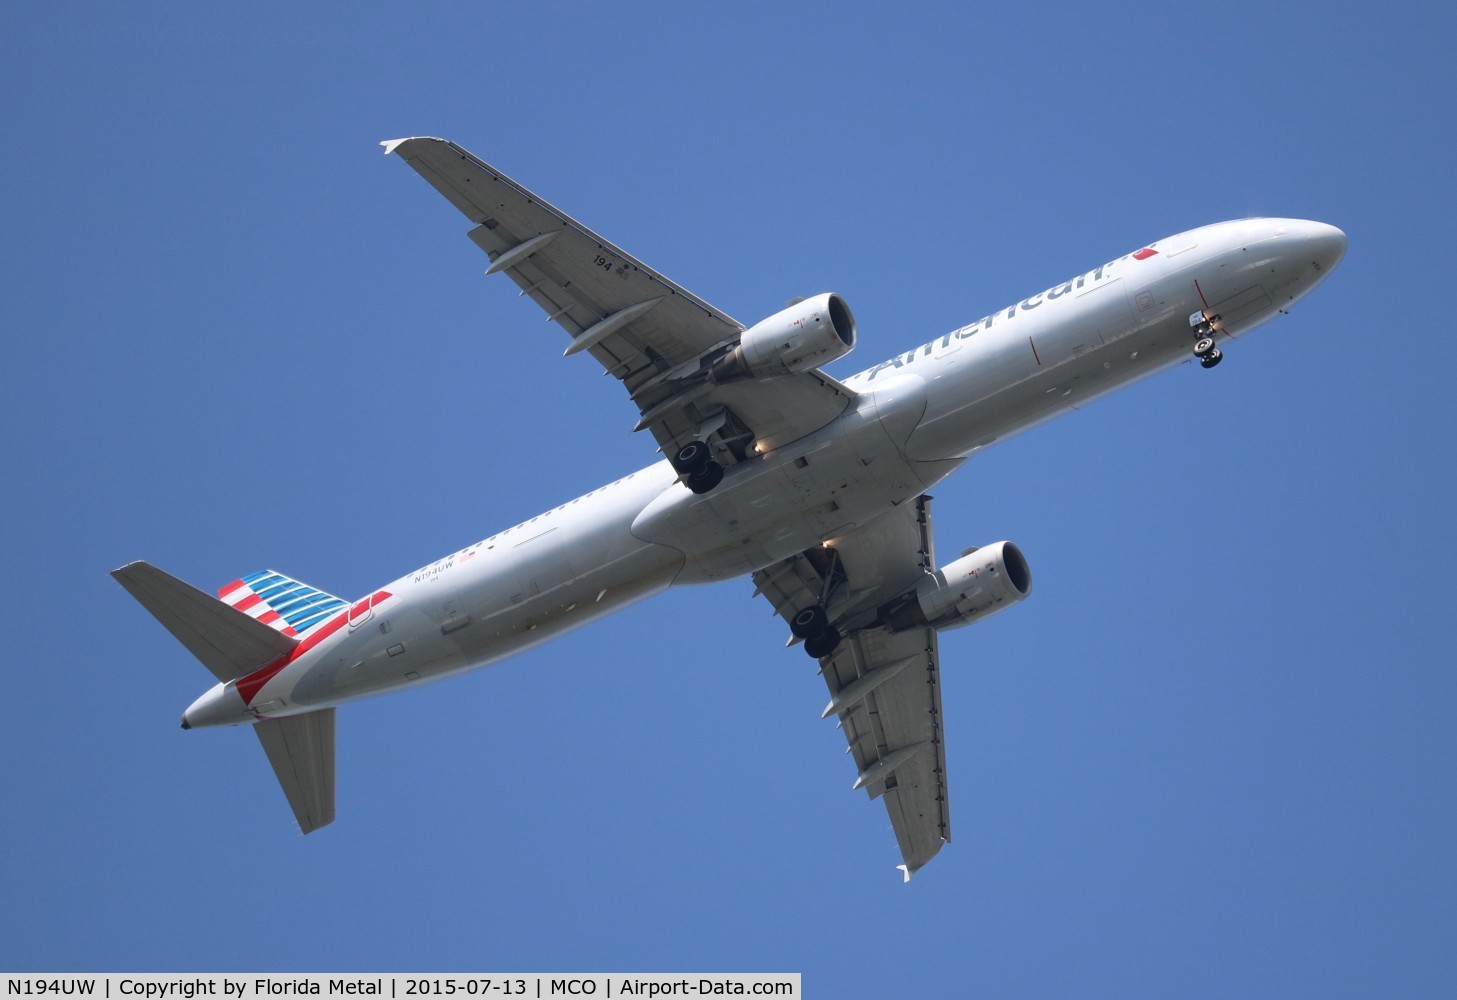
{"x":1213,"y":754}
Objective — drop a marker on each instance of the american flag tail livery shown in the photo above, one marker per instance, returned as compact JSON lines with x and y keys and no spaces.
{"x":280,"y":601}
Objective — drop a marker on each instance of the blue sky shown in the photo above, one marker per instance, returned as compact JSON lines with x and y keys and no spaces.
{"x":1211,"y":756}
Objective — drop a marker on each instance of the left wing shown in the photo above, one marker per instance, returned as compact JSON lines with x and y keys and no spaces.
{"x":884,"y":686}
{"x":654,"y":336}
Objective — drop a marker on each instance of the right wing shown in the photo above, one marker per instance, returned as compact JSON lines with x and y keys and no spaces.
{"x":885,"y":686}
{"x":653,"y":335}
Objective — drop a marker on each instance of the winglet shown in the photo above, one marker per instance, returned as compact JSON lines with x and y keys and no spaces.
{"x":390,"y":145}
{"x":906,"y":873}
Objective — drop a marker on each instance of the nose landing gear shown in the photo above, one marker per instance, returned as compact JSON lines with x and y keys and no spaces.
{"x":1201,"y":325}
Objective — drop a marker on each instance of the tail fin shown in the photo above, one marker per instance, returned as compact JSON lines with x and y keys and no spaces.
{"x":228,"y":641}
{"x":274,"y":599}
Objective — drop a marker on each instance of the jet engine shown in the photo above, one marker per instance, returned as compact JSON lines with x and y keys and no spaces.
{"x":807,"y":334}
{"x":976,"y":586}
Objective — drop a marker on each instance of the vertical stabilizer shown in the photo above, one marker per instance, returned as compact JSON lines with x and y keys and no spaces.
{"x":281,"y":602}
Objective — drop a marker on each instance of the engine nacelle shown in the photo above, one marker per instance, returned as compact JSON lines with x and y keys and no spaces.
{"x":808,"y":334}
{"x":971,"y":588}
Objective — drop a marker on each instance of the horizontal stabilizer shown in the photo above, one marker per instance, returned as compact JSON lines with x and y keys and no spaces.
{"x":301,"y":750}
{"x":229,"y":642}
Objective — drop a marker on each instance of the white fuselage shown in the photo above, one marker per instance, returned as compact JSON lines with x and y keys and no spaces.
{"x":917,"y":417}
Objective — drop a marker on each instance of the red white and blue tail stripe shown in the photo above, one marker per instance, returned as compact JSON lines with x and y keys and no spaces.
{"x":280,"y":601}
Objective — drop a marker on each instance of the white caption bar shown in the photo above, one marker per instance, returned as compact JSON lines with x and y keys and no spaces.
{"x":396,"y":986}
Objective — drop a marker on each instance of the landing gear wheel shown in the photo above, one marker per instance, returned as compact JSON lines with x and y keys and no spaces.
{"x":810,"y":622}
{"x":1203,"y":346}
{"x":1211,"y":359}
{"x":823,"y":644}
{"x":692,"y":459}
{"x":706,"y":478}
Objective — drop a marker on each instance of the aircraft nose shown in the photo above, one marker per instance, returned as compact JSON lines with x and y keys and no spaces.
{"x":1327,"y":245}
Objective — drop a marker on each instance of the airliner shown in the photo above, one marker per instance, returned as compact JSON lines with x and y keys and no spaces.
{"x":814,"y":487}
